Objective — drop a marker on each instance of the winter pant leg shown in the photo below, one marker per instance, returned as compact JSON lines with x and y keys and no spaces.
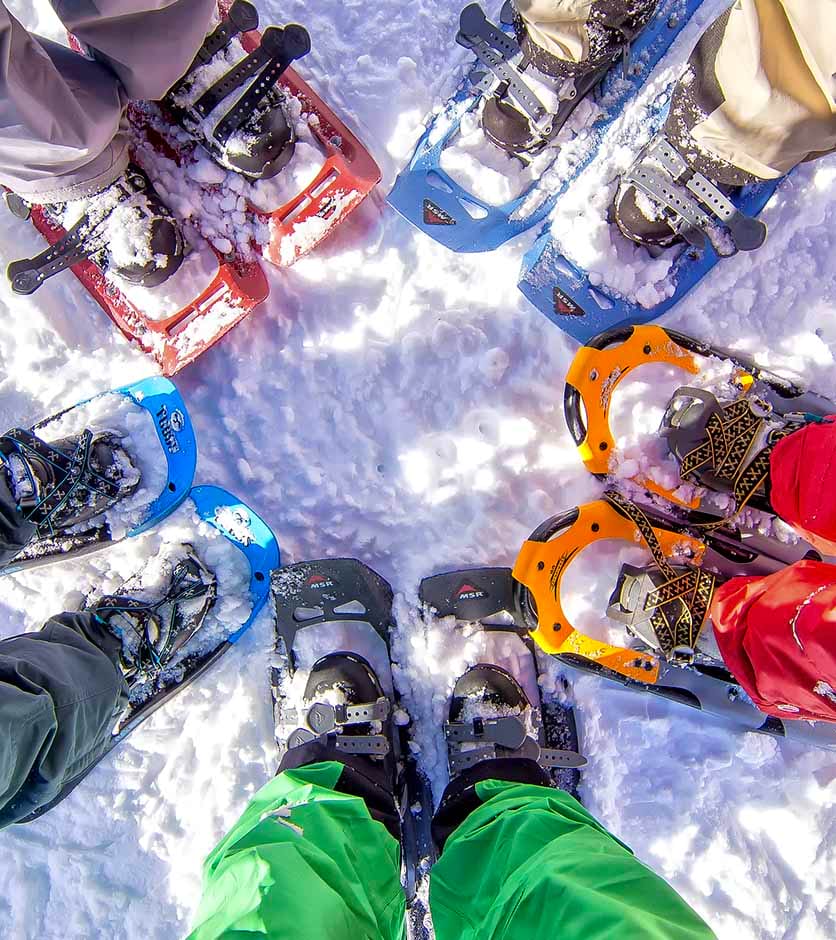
{"x":529,"y":863}
{"x":765,"y":76}
{"x":561,"y":27}
{"x":59,"y":693}
{"x":775,"y":634}
{"x":60,"y":117}
{"x":61,"y":114}
{"x":15,"y":531}
{"x":147,"y":44}
{"x":306,"y":860}
{"x":802,"y":469}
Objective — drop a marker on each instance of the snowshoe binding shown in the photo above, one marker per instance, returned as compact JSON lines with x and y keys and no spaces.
{"x":152,"y":632}
{"x":125,"y":230}
{"x":228,"y":100}
{"x":66,"y":483}
{"x":537,"y":91}
{"x":665,"y":605}
{"x":498,"y":709}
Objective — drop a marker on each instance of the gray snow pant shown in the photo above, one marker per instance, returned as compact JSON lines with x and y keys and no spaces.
{"x":61,"y":114}
{"x":60,"y":690}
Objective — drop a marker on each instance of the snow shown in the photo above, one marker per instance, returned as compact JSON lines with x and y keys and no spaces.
{"x":402,"y":404}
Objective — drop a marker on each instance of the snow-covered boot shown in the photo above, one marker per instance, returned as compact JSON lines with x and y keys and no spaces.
{"x":491,"y":718}
{"x":62,"y":484}
{"x":125,"y":229}
{"x":344,"y":707}
{"x":676,"y":191}
{"x":553,"y":85}
{"x":228,"y":100}
{"x":725,"y":446}
{"x":153,"y":631}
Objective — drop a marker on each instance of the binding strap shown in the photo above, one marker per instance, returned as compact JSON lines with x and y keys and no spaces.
{"x":470,"y":742}
{"x":71,"y":470}
{"x":732,"y":432}
{"x":327,"y":721}
{"x":680,"y":605}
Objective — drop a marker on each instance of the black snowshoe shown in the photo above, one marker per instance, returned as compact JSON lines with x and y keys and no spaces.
{"x":230,"y":103}
{"x":497,"y":710}
{"x":69,"y":482}
{"x":333,"y":619}
{"x":536,"y":92}
{"x":128,"y":204}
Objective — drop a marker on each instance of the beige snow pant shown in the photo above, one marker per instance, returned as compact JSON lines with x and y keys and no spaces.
{"x":61,"y":113}
{"x":774,"y":69}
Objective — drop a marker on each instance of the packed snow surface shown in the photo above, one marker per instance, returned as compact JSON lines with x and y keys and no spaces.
{"x":402,"y":404}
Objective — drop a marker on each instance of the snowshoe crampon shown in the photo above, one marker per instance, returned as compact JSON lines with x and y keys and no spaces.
{"x":341,"y":606}
{"x":665,"y":605}
{"x":156,"y":405}
{"x":175,"y":648}
{"x":433,"y":201}
{"x":607,"y":360}
{"x":484,"y":604}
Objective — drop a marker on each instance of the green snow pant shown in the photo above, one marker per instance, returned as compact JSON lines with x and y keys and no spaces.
{"x":308,"y":862}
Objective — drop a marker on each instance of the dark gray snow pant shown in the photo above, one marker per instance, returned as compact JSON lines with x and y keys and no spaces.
{"x":60,"y":689}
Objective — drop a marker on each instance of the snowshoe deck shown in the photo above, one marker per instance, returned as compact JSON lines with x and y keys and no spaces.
{"x":541,"y":566}
{"x":487,"y":597}
{"x":345,"y":591}
{"x":609,"y":358}
{"x":166,"y":408}
{"x":252,"y":536}
{"x":567,"y":295}
{"x":434,"y":202}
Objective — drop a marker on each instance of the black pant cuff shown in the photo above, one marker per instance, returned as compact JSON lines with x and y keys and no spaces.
{"x":460,"y":797}
{"x":362,"y":776}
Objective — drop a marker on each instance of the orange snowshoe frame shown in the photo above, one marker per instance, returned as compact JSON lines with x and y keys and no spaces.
{"x":542,"y":564}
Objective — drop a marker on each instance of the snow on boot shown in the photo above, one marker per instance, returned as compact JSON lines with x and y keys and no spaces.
{"x":676,"y":190}
{"x":343,"y":703}
{"x":125,"y":229}
{"x":725,"y":445}
{"x":523,"y":115}
{"x":228,"y":100}
{"x":62,"y":484}
{"x":491,"y":717}
{"x":153,"y":631}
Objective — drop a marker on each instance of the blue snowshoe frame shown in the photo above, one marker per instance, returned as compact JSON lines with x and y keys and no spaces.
{"x":261,"y":550}
{"x":565,"y":294}
{"x":434,"y":202}
{"x":260,"y":547}
{"x":175,"y":432}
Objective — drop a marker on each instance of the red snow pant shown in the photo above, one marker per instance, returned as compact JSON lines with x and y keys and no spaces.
{"x":803,"y":483}
{"x":777,"y":636}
